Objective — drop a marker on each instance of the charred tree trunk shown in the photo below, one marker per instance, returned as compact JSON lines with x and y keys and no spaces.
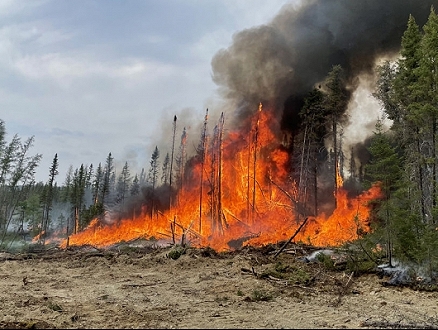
{"x":220,"y":214}
{"x":213,"y":180}
{"x":335,"y":159}
{"x":248,"y":180}
{"x":315,"y":186}
{"x":256,"y":134}
{"x":171,"y":162}
{"x":180,"y":162}
{"x":203,"y":152}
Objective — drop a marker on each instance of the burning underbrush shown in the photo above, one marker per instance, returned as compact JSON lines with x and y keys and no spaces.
{"x":241,"y":192}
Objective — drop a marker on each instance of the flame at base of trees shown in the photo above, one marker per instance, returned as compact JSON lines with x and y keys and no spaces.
{"x":239,"y":193}
{"x":348,"y":222}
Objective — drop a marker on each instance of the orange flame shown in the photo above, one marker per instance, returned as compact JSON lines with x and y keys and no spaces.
{"x":339,"y":179}
{"x":38,"y":237}
{"x":257,"y":203}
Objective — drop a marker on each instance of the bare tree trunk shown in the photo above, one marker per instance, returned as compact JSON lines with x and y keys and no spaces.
{"x":76,"y":210}
{"x":315,"y":189}
{"x":204,"y":143}
{"x":248,"y":181}
{"x":219,"y":206}
{"x":420,"y":179}
{"x":434,"y":173}
{"x":213,"y":178}
{"x":335,"y":156}
{"x":255,"y":161}
{"x":171,"y":162}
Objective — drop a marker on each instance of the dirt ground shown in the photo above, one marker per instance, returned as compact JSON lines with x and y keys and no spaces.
{"x":151,"y":287}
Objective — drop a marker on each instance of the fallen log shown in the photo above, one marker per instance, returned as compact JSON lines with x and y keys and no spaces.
{"x":292,"y":237}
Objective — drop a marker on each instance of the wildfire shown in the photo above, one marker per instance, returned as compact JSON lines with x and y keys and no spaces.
{"x":38,"y":237}
{"x":246,"y":198}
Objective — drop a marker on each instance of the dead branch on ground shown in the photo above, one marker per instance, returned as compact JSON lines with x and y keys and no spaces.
{"x":343,"y":289}
{"x":292,"y":237}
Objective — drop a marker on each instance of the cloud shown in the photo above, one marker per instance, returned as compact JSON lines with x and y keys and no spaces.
{"x":64,"y":67}
{"x":10,"y":8}
{"x":255,"y":12}
{"x":89,"y":80}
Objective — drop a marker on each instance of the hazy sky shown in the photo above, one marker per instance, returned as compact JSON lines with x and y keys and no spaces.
{"x":89,"y":77}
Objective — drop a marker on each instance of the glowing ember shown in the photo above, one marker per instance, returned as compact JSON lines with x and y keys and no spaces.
{"x":256,"y":205}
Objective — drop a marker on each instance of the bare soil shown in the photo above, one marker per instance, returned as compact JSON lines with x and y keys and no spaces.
{"x":144,"y":287}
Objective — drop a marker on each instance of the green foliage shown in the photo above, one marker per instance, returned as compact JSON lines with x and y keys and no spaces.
{"x":314,"y":115}
{"x":291,"y":273}
{"x":365,"y":254}
{"x":176,"y":252}
{"x":384,"y":165}
{"x":153,"y":170}
{"x":17,"y":170}
{"x":260,"y":295}
{"x":326,"y":261}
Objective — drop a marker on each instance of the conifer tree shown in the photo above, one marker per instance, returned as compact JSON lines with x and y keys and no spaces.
{"x":336,"y":105}
{"x":313,"y":115}
{"x":165,"y":170}
{"x":97,"y":183}
{"x":384,"y":168}
{"x":135,"y":187}
{"x":426,"y":109}
{"x":123,"y":184}
{"x":48,"y":201}
{"x":407,"y":125}
{"x":107,"y":180}
{"x":153,"y":179}
{"x":77,"y":197}
{"x":153,"y":169}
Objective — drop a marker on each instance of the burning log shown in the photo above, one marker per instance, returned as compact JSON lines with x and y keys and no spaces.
{"x":238,"y":243}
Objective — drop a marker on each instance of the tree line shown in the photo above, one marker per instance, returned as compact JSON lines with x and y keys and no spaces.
{"x":34,"y":210}
{"x":404,"y":159}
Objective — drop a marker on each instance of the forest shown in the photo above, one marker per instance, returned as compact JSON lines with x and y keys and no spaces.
{"x":260,"y":182}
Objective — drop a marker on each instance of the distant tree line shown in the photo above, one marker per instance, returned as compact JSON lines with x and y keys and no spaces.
{"x":35,"y":210}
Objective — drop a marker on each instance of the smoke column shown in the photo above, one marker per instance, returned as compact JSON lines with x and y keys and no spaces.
{"x":278,"y":63}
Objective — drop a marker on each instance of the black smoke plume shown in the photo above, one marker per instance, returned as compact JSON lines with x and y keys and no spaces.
{"x":280,"y":62}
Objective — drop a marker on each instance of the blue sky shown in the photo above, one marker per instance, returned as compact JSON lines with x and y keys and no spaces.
{"x":86,"y":78}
